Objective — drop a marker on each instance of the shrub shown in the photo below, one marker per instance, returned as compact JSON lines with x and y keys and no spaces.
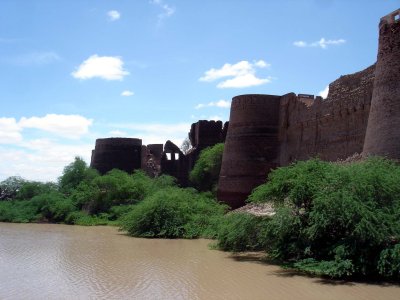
{"x":75,"y":173}
{"x":19,"y":212}
{"x":206,"y":170}
{"x":242,"y":232}
{"x":53,"y":206}
{"x":337,"y":220}
{"x":172,"y":213}
{"x":83,"y":219}
{"x":30,"y":189}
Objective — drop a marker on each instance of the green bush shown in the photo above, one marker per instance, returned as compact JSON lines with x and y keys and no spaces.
{"x":53,"y":206}
{"x":333,"y":219}
{"x":206,"y":170}
{"x":242,"y":232}
{"x":75,"y":173}
{"x":30,"y":189}
{"x":172,"y":213}
{"x":84,"y":219}
{"x":19,"y":212}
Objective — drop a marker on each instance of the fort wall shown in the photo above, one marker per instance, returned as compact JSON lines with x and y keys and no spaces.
{"x":251,"y":146}
{"x":117,"y":153}
{"x":332,"y":128}
{"x":383,"y":133}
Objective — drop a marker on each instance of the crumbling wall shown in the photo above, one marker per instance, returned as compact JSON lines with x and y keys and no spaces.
{"x":174,"y":163}
{"x":204,"y":134}
{"x":117,"y":153}
{"x":332,"y":128}
{"x":151,"y":159}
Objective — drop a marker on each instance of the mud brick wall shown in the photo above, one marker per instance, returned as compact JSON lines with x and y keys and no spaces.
{"x":332,"y":128}
{"x":174,"y":163}
{"x":117,"y":153}
{"x":383,"y":134}
{"x":251,"y":146}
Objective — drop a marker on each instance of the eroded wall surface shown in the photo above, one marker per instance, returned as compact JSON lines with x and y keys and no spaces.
{"x":383,"y":134}
{"x":332,"y":128}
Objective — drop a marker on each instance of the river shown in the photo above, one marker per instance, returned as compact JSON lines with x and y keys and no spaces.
{"x":47,"y":261}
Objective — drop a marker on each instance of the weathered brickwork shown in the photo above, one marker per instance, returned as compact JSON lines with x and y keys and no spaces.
{"x":383,"y":133}
{"x":360,"y":115}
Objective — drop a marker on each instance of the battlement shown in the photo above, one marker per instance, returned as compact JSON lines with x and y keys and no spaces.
{"x":391,"y":18}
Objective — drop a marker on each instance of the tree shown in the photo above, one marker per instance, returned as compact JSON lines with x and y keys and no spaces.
{"x":206,"y":170}
{"x":74,"y":174}
{"x":186,"y":146}
{"x":9,"y":188}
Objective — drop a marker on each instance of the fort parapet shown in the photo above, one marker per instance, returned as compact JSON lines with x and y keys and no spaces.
{"x":360,"y":114}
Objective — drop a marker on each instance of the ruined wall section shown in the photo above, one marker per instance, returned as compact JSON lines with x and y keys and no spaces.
{"x":117,"y":153}
{"x":174,"y":163}
{"x":383,"y":134}
{"x":332,"y":128}
{"x":151,"y":159}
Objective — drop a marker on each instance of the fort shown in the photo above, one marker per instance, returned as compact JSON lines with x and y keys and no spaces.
{"x":361,"y":114}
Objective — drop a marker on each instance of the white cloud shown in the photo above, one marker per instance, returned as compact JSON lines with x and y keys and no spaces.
{"x":155,"y":133}
{"x":300,"y":44}
{"x":324,"y":92}
{"x":215,"y":118}
{"x":220,"y":103}
{"x":41,"y":160}
{"x":69,"y":126}
{"x":243,"y":73}
{"x":243,"y":81}
{"x":105,"y":67}
{"x":166,"y":10}
{"x":118,"y":133}
{"x":322,"y":43}
{"x":127,"y":93}
{"x":113,"y":15}
{"x":10,"y":132}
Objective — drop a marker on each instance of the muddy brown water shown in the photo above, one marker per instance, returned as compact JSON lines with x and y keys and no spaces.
{"x":43,"y":261}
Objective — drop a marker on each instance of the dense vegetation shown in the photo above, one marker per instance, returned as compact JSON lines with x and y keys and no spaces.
{"x":205,"y":173}
{"x":140,"y":205}
{"x":331,"y":219}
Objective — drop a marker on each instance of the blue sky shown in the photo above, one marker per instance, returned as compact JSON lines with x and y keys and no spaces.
{"x":73,"y":71}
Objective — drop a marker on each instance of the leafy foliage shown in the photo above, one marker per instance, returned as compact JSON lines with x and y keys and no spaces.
{"x":242,"y":232}
{"x":172,"y":213}
{"x":205,"y":172}
{"x":335,"y":220}
{"x":75,"y":173}
{"x":9,"y":188}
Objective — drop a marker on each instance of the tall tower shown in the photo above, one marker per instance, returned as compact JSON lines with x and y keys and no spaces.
{"x":251,"y":147}
{"x":383,"y":129}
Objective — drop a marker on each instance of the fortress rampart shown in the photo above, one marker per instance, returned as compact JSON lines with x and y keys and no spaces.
{"x":361,"y":114}
{"x":267,"y":131}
